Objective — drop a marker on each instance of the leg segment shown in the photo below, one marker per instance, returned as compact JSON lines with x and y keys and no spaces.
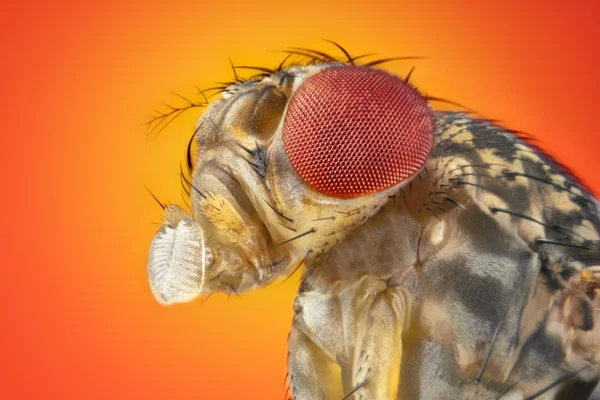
{"x":379,"y":317}
{"x":346,"y":343}
{"x":313,"y":374}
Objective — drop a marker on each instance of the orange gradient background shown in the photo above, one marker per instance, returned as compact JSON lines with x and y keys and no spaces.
{"x":78,"y":81}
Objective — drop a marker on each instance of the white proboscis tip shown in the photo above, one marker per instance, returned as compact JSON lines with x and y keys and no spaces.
{"x":177,"y":263}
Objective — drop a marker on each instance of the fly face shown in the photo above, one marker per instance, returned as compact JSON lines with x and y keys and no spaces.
{"x":287,"y":167}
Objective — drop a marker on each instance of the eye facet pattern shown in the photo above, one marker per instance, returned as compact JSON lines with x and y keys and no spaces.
{"x":351,"y":131}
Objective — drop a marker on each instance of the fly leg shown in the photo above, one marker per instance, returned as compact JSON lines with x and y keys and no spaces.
{"x":379,"y":313}
{"x":346,"y":341}
{"x":313,"y":374}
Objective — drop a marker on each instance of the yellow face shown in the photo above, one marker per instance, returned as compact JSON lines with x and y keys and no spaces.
{"x":254,"y":217}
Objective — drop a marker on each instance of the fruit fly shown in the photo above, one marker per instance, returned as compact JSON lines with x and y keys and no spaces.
{"x":445,"y":256}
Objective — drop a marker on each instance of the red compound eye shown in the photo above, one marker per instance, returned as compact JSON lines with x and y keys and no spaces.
{"x":350,"y":131}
